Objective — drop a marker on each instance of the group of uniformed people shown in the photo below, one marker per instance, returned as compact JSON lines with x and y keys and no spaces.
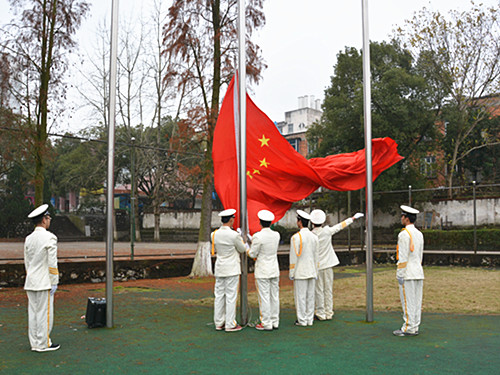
{"x":312,"y":259}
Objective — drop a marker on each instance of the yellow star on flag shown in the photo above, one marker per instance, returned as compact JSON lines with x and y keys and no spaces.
{"x":263,"y":141}
{"x":264,"y":163}
{"x":249,"y":174}
{"x":256,"y":171}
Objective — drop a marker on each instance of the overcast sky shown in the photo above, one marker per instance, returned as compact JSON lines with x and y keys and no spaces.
{"x":300,"y":40}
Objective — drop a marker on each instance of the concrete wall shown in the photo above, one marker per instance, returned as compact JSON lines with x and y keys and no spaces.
{"x":452,"y":213}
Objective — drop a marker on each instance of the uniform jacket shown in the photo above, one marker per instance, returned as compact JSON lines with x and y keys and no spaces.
{"x":410,"y":251}
{"x":304,"y":255}
{"x":327,"y":256}
{"x":40,"y":260}
{"x":265,"y":248}
{"x":227,"y":243}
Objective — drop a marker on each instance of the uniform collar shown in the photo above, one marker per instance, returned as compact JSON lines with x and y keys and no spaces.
{"x":304,"y":229}
{"x":410,"y":226}
{"x":225,"y":227}
{"x":38,"y":228}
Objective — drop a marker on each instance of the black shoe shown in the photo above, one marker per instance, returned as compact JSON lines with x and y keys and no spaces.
{"x":49,"y":349}
{"x":300,"y":325}
{"x":318,"y":318}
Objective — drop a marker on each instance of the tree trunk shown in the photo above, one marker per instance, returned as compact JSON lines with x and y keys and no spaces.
{"x":137,"y":221}
{"x":156,"y":210}
{"x":202,"y":265}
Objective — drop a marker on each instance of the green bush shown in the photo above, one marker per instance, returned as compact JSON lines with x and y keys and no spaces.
{"x":487,"y":239}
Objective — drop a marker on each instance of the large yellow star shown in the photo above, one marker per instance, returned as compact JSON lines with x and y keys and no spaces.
{"x":264,"y":163}
{"x":263,"y":141}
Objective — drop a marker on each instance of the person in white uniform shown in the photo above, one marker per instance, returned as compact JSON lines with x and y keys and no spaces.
{"x":327,"y":260}
{"x":304,"y":269}
{"x":42,"y":277}
{"x":264,"y":250}
{"x":410,"y":274}
{"x":227,"y":244}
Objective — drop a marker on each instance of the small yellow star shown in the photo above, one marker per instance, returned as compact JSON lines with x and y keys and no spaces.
{"x":249,"y":174}
{"x":264,"y":163}
{"x":263,"y":141}
{"x":256,"y":171}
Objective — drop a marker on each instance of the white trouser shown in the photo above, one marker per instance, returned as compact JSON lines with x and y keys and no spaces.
{"x":411,"y":300}
{"x":324,"y":294}
{"x":226,"y":294}
{"x":269,"y":301}
{"x":304,"y":300}
{"x":40,"y":318}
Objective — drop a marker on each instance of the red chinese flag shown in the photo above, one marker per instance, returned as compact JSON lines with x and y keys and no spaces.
{"x":277,"y":175}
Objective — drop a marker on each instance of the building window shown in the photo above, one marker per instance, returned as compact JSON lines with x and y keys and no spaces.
{"x":290,"y":128}
{"x":295,"y":143}
{"x":428,"y":166}
{"x":280,"y":128}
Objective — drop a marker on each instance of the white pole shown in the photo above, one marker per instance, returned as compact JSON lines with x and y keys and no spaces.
{"x":243,"y":155}
{"x":111,"y":155}
{"x":368,"y":156}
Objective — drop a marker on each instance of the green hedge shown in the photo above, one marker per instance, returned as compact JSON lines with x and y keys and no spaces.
{"x":487,"y":239}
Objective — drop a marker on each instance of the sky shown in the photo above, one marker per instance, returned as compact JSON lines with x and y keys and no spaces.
{"x":299,"y":42}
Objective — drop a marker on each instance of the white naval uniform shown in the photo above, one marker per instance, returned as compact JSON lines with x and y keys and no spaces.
{"x":40,"y":261}
{"x":327,"y":260}
{"x":227,"y":243}
{"x":304,"y":271}
{"x":265,"y":249}
{"x":409,"y":254}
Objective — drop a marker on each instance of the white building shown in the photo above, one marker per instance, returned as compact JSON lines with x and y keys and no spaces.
{"x":298,"y":121}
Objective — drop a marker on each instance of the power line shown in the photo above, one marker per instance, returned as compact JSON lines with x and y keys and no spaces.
{"x":87,"y":139}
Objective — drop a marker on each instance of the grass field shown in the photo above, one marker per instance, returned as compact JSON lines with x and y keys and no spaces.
{"x":458,"y":290}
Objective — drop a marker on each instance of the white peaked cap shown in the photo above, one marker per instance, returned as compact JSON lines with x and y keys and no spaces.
{"x":265,"y":215}
{"x":41,"y":210}
{"x":318,"y":217}
{"x":409,"y":210}
{"x":228,"y":212}
{"x":303,"y":215}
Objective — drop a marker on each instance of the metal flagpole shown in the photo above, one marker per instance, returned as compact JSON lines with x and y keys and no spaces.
{"x":111,"y":155}
{"x":368,"y":156}
{"x":243,"y":156}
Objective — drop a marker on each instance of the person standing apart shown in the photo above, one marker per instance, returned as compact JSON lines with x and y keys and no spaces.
{"x":265,"y":250}
{"x":42,"y":277}
{"x":410,"y":274}
{"x":327,"y":260}
{"x":304,"y":269}
{"x":227,"y":243}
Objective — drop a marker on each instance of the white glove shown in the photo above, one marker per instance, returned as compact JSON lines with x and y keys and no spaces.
{"x":249,"y":236}
{"x":239,"y":231}
{"x":53,"y":289}
{"x":401,"y":281}
{"x":357,"y":215}
{"x":247,"y":246}
{"x":291,"y":277}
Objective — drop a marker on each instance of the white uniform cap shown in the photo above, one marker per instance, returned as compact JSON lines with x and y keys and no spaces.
{"x":303,"y":215}
{"x":228,"y":212}
{"x":265,"y":215}
{"x":318,"y":217}
{"x":39,"y":211}
{"x":409,"y":210}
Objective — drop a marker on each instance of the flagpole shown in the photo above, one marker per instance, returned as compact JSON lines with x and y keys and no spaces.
{"x":368,"y":156}
{"x":111,"y":155}
{"x":242,"y":157}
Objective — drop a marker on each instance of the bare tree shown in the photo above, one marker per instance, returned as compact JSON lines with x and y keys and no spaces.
{"x":38,"y":40}
{"x":460,"y":53}
{"x":200,"y":43}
